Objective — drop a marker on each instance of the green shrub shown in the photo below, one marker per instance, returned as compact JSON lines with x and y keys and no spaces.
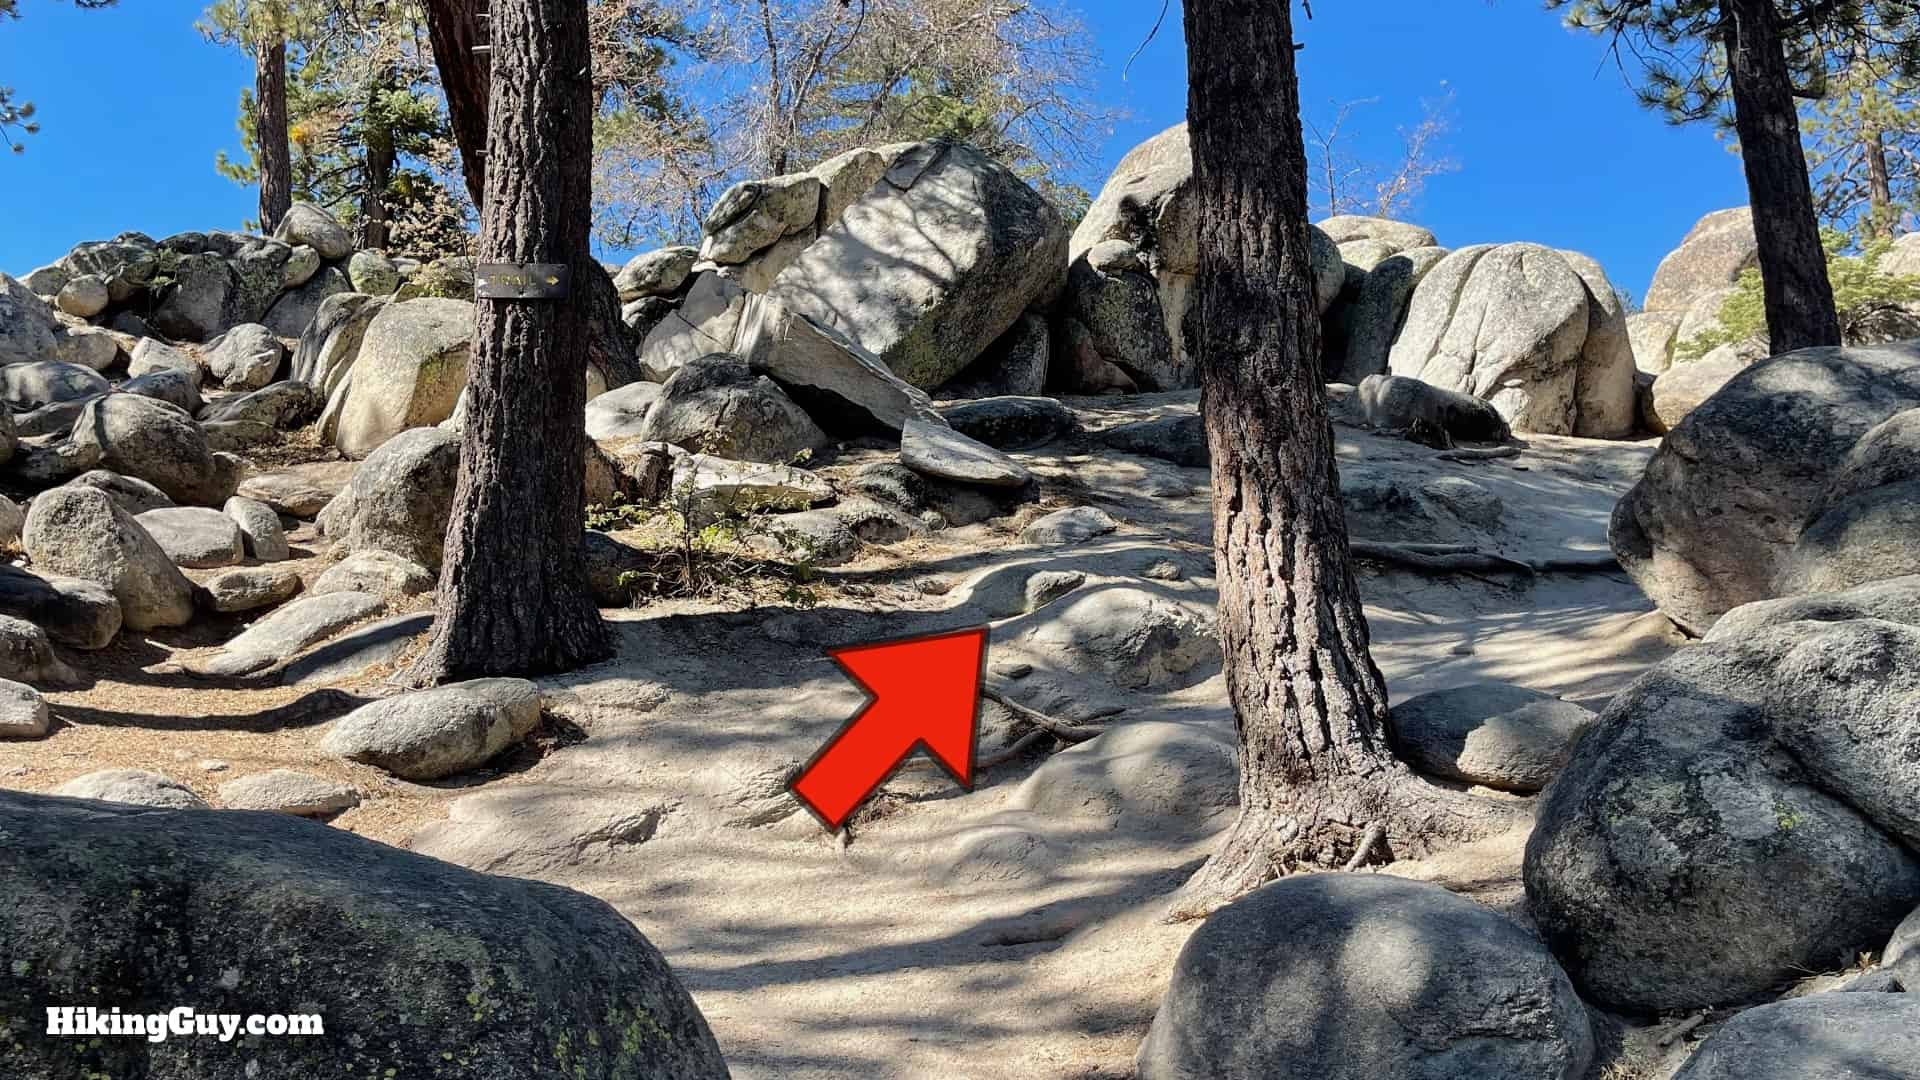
{"x":1865,"y":297}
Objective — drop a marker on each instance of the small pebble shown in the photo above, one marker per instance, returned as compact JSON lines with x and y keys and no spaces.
{"x":213,"y":765}
{"x":1013,"y":670}
{"x":1463,"y":649}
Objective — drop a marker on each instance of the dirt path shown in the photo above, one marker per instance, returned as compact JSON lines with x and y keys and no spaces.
{"x":1009,"y":933}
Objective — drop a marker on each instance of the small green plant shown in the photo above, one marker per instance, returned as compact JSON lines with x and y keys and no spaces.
{"x":710,"y":543}
{"x":1866,"y":297}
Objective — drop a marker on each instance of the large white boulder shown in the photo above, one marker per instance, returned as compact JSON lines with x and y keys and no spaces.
{"x":929,"y":267}
{"x":1720,"y":247}
{"x":1515,"y":325}
{"x":409,"y":372}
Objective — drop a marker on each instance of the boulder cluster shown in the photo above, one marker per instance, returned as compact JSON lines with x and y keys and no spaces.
{"x":1743,"y":812}
{"x":1538,"y":333}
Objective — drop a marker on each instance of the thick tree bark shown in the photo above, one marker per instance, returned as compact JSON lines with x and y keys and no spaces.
{"x":270,"y":131}
{"x":456,"y":30}
{"x":1316,"y":770}
{"x":1793,"y":264}
{"x":513,"y":596}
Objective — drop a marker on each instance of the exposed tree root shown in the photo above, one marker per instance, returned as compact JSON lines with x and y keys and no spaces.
{"x":1020,"y":746}
{"x":1468,"y":454}
{"x":1375,"y":833}
{"x":1442,"y":562}
{"x":1322,"y":829}
{"x":1060,"y":729}
{"x":1044,"y":727}
{"x":1465,"y":559}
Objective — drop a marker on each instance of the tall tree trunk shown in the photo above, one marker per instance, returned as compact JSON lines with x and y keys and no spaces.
{"x":374,"y":180}
{"x":455,"y":29}
{"x":270,"y":131}
{"x":1793,"y":264}
{"x":1316,"y":770}
{"x":1883,"y":217}
{"x":513,"y":596}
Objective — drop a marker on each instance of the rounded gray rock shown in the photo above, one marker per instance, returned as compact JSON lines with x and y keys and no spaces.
{"x":26,"y":655}
{"x":1737,"y":817}
{"x":430,"y":734}
{"x":138,"y":787}
{"x":248,"y":588}
{"x":945,"y":454}
{"x":372,"y":273}
{"x":400,"y":498}
{"x":85,"y":296}
{"x":23,"y":712}
{"x":195,"y":536}
{"x":285,"y":791}
{"x":1074,"y":525}
{"x":246,"y":357}
{"x":1364,"y":977}
{"x":480,"y":975}
{"x":377,"y":573}
{"x":81,"y":532}
{"x":288,"y":493}
{"x":1824,"y":1037}
{"x":24,"y":387}
{"x":259,"y":528}
{"x":1496,"y":734}
{"x":1713,"y":520}
{"x":309,"y":225}
{"x":1012,"y":423}
{"x":715,"y":405}
{"x":156,"y":442}
{"x":74,"y":612}
{"x":133,"y":494}
{"x":284,"y":633}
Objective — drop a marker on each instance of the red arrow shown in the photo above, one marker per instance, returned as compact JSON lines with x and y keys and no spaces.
{"x":924,"y":695}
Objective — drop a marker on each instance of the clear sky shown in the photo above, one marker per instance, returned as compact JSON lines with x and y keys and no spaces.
{"x":1551,"y":145}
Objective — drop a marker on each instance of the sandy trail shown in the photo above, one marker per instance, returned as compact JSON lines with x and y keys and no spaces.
{"x":952,"y":935}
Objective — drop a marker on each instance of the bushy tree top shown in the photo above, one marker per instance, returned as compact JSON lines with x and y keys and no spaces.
{"x":1680,"y":44}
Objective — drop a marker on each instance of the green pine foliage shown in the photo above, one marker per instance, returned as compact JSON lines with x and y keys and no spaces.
{"x":1865,"y":124}
{"x":1679,"y":44}
{"x":1868,"y":299}
{"x":362,"y":99}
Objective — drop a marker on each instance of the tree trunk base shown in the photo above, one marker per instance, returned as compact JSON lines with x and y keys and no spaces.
{"x":458,"y":651}
{"x":1322,"y":830}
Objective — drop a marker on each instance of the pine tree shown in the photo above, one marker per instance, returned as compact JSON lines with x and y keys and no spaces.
{"x":513,"y":596}
{"x":366,"y":129}
{"x":1748,"y":61}
{"x":1319,"y":782}
{"x":1863,"y":147}
{"x":261,"y":27}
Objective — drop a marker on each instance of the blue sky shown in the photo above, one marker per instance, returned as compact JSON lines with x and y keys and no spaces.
{"x":1551,"y":146}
